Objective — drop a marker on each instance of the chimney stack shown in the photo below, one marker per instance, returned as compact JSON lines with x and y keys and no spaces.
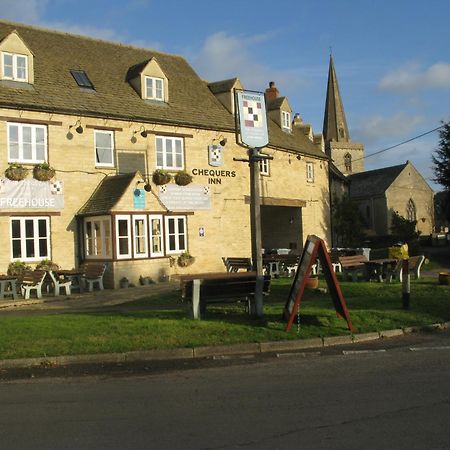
{"x":297,"y":119}
{"x":271,"y":92}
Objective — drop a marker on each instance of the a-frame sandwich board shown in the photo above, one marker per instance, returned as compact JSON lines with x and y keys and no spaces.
{"x":314,"y":248}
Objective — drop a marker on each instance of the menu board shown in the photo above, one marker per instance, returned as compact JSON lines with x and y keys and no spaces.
{"x":314,"y":248}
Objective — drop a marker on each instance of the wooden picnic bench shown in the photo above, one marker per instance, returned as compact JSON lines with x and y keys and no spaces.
{"x":414,"y":266}
{"x":204,"y":289}
{"x":32,"y":280}
{"x":234,"y":264}
{"x":352,"y":266}
{"x":93,"y":273}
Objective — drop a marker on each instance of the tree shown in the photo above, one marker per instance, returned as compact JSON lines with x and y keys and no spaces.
{"x":404,"y":229}
{"x":347,"y":223}
{"x":441,"y":158}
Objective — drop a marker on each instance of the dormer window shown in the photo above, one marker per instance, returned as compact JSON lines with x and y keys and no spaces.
{"x":286,"y":120}
{"x":14,"y":67}
{"x":154,"y":88}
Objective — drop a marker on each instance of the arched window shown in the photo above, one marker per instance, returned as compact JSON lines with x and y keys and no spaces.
{"x":348,"y":162}
{"x":411,"y":210}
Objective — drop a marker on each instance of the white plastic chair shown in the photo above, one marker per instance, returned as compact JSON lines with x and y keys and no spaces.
{"x":32,"y":280}
{"x":58,"y":283}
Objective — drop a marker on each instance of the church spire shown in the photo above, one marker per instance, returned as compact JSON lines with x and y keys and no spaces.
{"x":334,"y":122}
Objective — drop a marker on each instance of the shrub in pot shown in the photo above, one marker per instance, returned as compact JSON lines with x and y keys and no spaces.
{"x":182,"y":178}
{"x":185,"y":259}
{"x":16,"y":172}
{"x":16,"y":268}
{"x":161,"y":177}
{"x":43,"y":172}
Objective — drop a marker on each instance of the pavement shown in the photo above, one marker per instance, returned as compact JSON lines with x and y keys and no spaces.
{"x":114,"y":300}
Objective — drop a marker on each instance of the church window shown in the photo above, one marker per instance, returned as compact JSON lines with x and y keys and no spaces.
{"x":411,"y":210}
{"x":348,"y":162}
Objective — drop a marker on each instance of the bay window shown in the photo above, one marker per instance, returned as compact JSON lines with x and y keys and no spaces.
{"x":97,"y":233}
{"x":156,"y":235}
{"x":175,"y":234}
{"x":140,"y":236}
{"x":123,"y":237}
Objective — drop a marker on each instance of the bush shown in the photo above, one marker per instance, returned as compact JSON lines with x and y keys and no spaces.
{"x":16,"y":268}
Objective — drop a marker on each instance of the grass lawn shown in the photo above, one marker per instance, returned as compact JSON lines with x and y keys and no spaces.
{"x":163,"y":322}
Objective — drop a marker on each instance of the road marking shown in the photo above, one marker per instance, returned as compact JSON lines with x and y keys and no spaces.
{"x":360,"y":352}
{"x":298,"y":354}
{"x":420,"y":349}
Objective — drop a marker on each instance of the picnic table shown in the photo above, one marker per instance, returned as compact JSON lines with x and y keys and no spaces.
{"x":380,"y":268}
{"x":8,"y":286}
{"x":74,"y":275}
{"x":224,"y":287}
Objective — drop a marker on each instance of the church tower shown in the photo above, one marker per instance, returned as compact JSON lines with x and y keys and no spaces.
{"x":347,"y":156}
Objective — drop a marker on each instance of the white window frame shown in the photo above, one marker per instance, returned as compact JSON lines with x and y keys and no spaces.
{"x":15,"y":76}
{"x":35,"y":238}
{"x":143,"y":254}
{"x":164,"y":154}
{"x":100,"y":164}
{"x":310,"y":172}
{"x":177,"y":234}
{"x":152,"y":95}
{"x":106,"y":244}
{"x":20,"y":158}
{"x":150,"y":234}
{"x":264,"y":167}
{"x":128,"y":236}
{"x":286,"y":120}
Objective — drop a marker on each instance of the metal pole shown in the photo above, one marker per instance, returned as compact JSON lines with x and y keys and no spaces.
{"x":406,"y":285}
{"x":255,"y":220}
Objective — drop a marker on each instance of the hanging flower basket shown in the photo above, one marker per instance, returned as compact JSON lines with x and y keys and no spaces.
{"x":43,"y":172}
{"x":161,"y":177}
{"x":16,"y":172}
{"x":183,"y":178}
{"x":185,"y":260}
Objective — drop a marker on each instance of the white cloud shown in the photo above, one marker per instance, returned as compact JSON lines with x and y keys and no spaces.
{"x":412,"y":77}
{"x":377,"y":127}
{"x":25,"y":11}
{"x":225,"y":56}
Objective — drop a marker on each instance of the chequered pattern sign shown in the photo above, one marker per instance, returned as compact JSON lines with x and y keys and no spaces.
{"x":215,"y":155}
{"x":56,"y":188}
{"x":252,"y":113}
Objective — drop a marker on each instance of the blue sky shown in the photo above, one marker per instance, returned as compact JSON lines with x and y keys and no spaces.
{"x":392,"y":57}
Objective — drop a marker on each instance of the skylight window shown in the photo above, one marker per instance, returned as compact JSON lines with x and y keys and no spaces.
{"x":82,"y":79}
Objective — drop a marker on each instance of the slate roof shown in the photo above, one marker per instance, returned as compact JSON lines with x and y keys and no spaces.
{"x":108,"y":192}
{"x":373,"y":182}
{"x":217,"y":87}
{"x":109,"y":65}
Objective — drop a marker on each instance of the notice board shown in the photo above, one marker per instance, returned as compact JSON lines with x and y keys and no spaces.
{"x":313,"y":249}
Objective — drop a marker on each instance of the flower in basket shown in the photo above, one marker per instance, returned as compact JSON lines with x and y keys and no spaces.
{"x":47,"y":264}
{"x":16,"y":268}
{"x":16,"y":172}
{"x":182,"y":178}
{"x":43,"y":172}
{"x":161,"y":177}
{"x":185,"y":259}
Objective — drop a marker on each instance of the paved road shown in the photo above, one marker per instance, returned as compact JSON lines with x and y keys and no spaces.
{"x":383,"y":396}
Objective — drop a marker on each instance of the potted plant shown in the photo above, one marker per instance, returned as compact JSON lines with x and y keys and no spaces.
{"x":124,"y":283}
{"x":182,"y":178}
{"x":185,"y":259}
{"x":43,"y":172}
{"x":16,"y":268}
{"x":16,"y":172}
{"x":161,"y":177}
{"x":47,"y":264}
{"x":145,"y":280}
{"x":312,"y":282}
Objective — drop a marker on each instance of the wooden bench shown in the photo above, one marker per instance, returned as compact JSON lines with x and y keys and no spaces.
{"x":414,"y":266}
{"x":93,"y":273}
{"x":234,"y":264}
{"x":216,"y":289}
{"x":32,"y":280}
{"x":352,"y":266}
